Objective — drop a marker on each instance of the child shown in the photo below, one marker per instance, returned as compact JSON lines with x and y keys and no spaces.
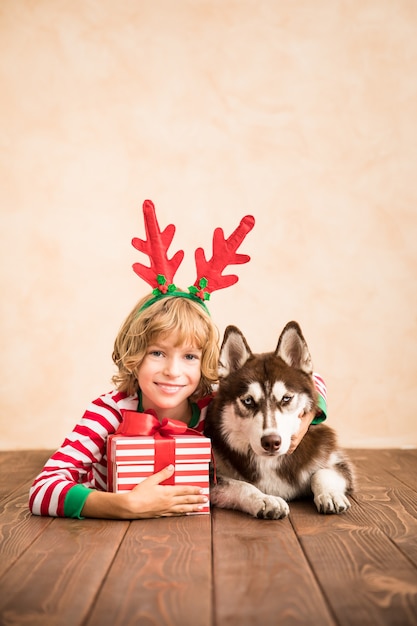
{"x":167,"y":361}
{"x":166,"y":353}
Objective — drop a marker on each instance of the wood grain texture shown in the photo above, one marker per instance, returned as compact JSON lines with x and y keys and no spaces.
{"x":219,"y":570}
{"x":260,"y":570}
{"x":366,"y":577}
{"x":55,"y":581}
{"x":18,"y":467}
{"x":388,"y":498}
{"x":18,"y":528}
{"x":161,"y":575}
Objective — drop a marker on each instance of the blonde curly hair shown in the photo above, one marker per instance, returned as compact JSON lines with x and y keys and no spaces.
{"x":187,"y":319}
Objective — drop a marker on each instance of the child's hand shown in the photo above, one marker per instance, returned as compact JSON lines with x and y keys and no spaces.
{"x":305,"y":421}
{"x":151,"y":499}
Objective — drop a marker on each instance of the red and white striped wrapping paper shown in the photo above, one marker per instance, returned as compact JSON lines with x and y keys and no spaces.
{"x":131,"y":460}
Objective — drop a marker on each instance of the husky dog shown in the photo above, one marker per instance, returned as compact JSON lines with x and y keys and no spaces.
{"x":250,"y":422}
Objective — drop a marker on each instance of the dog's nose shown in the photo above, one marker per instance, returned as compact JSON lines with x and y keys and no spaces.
{"x":271,"y":443}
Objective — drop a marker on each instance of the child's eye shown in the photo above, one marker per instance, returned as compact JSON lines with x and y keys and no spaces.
{"x":156,"y":353}
{"x":191,"y":357}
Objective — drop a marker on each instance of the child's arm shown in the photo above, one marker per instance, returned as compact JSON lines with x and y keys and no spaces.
{"x":305,"y":421}
{"x":78,"y":464}
{"x":312,"y":417}
{"x":73,"y":482}
{"x":148,"y":499}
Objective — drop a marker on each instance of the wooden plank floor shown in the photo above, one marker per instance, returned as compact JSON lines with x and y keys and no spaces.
{"x":218,"y":570}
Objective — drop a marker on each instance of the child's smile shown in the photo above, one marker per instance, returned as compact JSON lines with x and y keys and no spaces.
{"x":169,"y":388}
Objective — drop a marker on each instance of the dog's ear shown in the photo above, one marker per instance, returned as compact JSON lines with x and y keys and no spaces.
{"x":292,"y":348}
{"x":234,"y":351}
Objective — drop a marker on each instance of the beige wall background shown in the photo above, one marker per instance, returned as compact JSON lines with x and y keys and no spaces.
{"x":301,"y":113}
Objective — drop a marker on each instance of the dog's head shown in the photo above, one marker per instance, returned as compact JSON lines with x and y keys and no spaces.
{"x":261,"y":397}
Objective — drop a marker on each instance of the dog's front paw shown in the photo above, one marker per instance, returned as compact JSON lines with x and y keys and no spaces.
{"x":331,"y":503}
{"x":272,"y":507}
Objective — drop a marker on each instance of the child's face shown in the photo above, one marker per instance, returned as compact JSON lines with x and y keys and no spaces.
{"x":169,"y":375}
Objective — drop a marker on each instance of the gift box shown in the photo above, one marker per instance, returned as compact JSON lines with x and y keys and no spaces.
{"x":142,"y":446}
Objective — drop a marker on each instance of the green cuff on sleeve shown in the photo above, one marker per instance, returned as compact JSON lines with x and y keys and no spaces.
{"x":75,"y":500}
{"x":321,"y":416}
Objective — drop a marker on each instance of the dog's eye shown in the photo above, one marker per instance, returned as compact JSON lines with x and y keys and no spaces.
{"x":286,"y":399}
{"x":248,"y":402}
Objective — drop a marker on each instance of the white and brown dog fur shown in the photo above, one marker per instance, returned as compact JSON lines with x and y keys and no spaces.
{"x":250,"y":422}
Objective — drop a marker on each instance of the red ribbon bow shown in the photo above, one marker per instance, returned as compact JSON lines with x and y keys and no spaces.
{"x":147,"y":424}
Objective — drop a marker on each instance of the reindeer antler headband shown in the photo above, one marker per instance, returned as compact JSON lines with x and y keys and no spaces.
{"x":160,"y":274}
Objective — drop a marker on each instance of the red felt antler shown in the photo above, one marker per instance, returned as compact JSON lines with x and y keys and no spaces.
{"x":156,"y":247}
{"x":209,"y":273}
